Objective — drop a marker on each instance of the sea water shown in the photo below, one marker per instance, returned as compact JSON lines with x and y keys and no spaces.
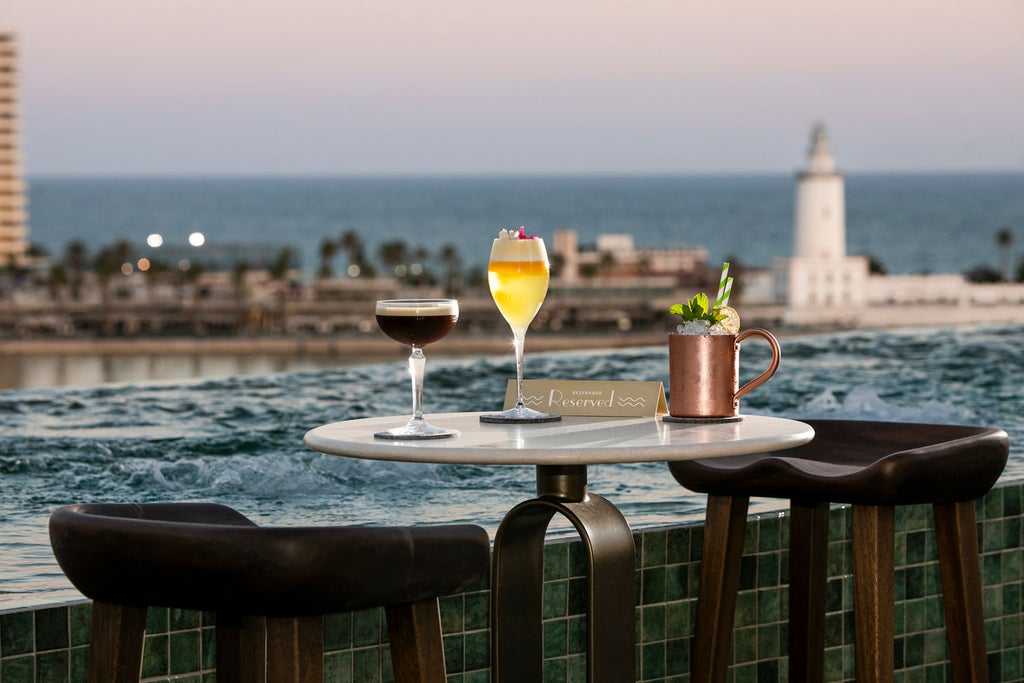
{"x":939,"y":223}
{"x":239,"y":441}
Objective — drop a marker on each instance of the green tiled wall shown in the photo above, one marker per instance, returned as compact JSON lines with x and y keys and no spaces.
{"x":51,"y":644}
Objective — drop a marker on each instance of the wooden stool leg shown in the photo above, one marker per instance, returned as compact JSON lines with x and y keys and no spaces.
{"x":295,"y":649}
{"x":417,"y":650}
{"x":115,"y":654}
{"x":874,"y":592}
{"x":241,"y":649}
{"x":808,"y":579}
{"x":957,"y":536}
{"x":719,"y":582}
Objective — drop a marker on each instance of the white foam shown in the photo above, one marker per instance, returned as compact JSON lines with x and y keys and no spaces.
{"x":421,"y":308}
{"x":864,"y":403}
{"x":519,"y":250}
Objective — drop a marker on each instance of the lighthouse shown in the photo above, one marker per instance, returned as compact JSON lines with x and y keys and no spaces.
{"x":820,"y":216}
{"x":819,"y":283}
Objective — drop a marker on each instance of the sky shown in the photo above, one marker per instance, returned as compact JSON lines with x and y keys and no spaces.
{"x":367,"y":87}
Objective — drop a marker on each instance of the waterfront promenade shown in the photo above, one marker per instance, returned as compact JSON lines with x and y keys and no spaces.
{"x":332,"y":322}
{"x":366,"y":348}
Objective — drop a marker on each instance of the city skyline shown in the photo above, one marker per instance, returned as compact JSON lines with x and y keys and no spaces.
{"x":225,"y":87}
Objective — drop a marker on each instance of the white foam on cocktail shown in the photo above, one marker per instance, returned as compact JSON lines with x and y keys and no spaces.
{"x":518,"y":250}
{"x":437,"y":308}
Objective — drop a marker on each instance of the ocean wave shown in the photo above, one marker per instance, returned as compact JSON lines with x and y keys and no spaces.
{"x":864,"y":403}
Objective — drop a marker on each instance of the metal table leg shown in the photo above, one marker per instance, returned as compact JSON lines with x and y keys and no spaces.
{"x":516,"y":588}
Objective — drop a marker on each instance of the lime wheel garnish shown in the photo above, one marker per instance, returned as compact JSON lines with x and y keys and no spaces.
{"x":731,"y":322}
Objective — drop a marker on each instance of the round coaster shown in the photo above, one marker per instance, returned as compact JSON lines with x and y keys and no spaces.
{"x":499,"y":420}
{"x":701,"y":420}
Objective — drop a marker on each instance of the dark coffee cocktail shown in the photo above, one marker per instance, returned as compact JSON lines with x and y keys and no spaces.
{"x":417,"y":326}
{"x":416,"y":323}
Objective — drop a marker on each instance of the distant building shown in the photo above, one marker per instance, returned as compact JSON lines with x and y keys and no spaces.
{"x":13,"y":216}
{"x":612,"y":284}
{"x":820,"y":285}
{"x":617,"y":255}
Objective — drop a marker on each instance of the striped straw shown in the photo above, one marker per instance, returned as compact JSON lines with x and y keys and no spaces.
{"x":721,"y":287}
{"x":724,"y":298}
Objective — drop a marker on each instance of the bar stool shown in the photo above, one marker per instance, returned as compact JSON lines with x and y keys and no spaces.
{"x":873,"y":466}
{"x":269,"y":587}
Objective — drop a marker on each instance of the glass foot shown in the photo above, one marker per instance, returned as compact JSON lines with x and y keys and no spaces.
{"x":519,"y":415}
{"x":416,"y":430}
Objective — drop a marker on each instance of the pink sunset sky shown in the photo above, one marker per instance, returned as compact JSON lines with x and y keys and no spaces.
{"x":291,"y":87}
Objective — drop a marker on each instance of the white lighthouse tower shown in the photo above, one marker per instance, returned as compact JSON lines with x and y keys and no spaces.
{"x":820,"y":220}
{"x":820,"y":283}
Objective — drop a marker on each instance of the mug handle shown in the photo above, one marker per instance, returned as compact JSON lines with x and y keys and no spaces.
{"x":776,"y":357}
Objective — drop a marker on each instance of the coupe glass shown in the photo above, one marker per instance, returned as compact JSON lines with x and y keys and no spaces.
{"x":417,"y":322}
{"x":518,"y":273}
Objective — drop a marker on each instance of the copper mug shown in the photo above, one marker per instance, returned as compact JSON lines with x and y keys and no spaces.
{"x":704,"y":373}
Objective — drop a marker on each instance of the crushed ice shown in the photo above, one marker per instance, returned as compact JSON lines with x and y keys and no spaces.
{"x":700,"y":327}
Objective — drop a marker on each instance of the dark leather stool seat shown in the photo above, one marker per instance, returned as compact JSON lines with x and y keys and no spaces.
{"x":269,"y":586}
{"x":873,"y":466}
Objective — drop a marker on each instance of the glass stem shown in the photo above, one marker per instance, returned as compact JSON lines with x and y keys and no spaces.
{"x":517,"y":340}
{"x":416,"y":363}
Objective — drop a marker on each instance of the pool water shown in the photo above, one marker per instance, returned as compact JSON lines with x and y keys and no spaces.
{"x":239,"y":441}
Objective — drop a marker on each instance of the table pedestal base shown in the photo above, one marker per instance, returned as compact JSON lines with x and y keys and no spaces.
{"x":517,"y":638}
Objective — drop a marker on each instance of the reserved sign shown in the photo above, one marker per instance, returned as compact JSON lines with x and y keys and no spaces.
{"x":590,"y":397}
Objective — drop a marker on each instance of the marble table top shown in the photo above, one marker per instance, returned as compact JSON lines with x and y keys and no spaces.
{"x":573,"y":441}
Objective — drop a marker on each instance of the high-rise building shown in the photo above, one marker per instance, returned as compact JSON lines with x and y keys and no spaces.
{"x":13,"y":215}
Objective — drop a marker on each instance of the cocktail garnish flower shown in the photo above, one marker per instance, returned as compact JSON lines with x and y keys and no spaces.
{"x":515,"y":234}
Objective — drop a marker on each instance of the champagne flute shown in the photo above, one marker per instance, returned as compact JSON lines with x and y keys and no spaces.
{"x":517,"y":274}
{"x":417,"y":322}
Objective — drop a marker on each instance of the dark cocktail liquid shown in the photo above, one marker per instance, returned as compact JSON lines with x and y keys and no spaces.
{"x":417,"y":330}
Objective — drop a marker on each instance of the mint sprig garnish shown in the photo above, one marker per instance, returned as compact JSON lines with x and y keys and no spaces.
{"x":697,"y":308}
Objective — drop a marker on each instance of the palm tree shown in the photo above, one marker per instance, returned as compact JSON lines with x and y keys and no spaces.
{"x":476,"y":277}
{"x":328,"y":248}
{"x":419,"y":253}
{"x":419,"y":269}
{"x":282,"y":264}
{"x":392,"y":253}
{"x":124,"y":250}
{"x":607,"y":262}
{"x":76,"y":258}
{"x":238,"y":276}
{"x":351,"y":243}
{"x":1004,"y":238}
{"x":105,"y":265}
{"x":13,"y":269}
{"x":188,"y":276}
{"x":109,"y":262}
{"x":452,"y":262}
{"x":353,"y":246}
{"x":58,"y":280}
{"x":157,"y":271}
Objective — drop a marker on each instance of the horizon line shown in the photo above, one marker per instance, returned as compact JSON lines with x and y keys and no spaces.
{"x":274,"y":175}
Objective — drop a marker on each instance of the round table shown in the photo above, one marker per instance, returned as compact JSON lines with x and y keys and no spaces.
{"x":561,"y":452}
